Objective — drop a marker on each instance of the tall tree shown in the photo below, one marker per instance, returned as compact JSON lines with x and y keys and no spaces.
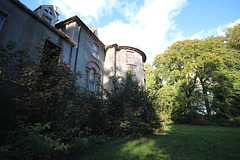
{"x":233,"y":36}
{"x":200,"y":73}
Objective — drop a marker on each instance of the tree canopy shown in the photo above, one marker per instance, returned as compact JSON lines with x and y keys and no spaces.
{"x":195,"y":78}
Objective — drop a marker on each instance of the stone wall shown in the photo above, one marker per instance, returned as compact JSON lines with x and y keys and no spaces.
{"x":28,"y":31}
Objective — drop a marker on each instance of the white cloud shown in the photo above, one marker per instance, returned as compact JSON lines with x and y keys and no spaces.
{"x":147,"y":28}
{"x":88,"y":10}
{"x":233,"y":24}
{"x":129,"y":9}
{"x":208,"y":33}
{"x":219,"y":31}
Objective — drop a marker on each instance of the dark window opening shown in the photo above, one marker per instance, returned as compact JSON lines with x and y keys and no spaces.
{"x":92,"y":80}
{"x":2,"y":19}
{"x":50,"y":57}
{"x":86,"y":78}
{"x":98,"y":83}
{"x":46,"y":17}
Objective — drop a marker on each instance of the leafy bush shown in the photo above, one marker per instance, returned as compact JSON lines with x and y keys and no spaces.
{"x":36,"y":94}
{"x":179,"y":115}
{"x":32,"y":142}
{"x":232,"y":122}
{"x":58,"y":118}
{"x":129,"y":109}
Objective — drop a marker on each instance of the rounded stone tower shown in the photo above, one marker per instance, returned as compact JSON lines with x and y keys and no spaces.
{"x":119,"y":59}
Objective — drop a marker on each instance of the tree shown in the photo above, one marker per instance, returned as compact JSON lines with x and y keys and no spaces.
{"x":199,"y":74}
{"x":232,"y":42}
{"x":233,"y":37}
{"x":153,"y":82}
{"x":129,"y":108}
{"x":175,"y":68}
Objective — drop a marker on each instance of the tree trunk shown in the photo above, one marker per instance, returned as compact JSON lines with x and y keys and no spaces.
{"x":207,"y":103}
{"x":205,"y":97}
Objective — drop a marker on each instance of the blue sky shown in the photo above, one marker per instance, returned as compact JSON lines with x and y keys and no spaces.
{"x":150,"y":25}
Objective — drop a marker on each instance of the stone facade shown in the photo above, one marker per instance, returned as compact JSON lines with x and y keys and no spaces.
{"x":28,"y":30}
{"x":79,"y":45}
{"x":119,"y":59}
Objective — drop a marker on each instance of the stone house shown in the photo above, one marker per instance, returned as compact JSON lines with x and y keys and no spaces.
{"x":77,"y":44}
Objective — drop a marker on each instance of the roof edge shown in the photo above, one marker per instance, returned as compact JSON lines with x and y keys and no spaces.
{"x":80,"y":23}
{"x":136,"y":50}
{"x":144,"y":57}
{"x":41,"y":20}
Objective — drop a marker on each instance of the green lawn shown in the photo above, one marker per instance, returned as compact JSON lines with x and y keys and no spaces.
{"x":175,"y":142}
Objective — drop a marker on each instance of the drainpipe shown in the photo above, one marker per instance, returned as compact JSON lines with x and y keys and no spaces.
{"x":70,"y":57}
{"x":115,"y":59}
{"x":79,"y":35}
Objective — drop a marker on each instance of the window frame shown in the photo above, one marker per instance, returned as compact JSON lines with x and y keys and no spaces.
{"x":95,"y":53}
{"x":4,"y":16}
{"x":91,"y":65}
{"x":130,"y":58}
{"x":96,"y":80}
{"x":92,"y":80}
{"x":50,"y":56}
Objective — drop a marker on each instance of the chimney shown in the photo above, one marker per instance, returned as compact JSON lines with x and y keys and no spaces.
{"x":94,"y":30}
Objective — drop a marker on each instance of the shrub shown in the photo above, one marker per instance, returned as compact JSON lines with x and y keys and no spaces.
{"x":129,"y":109}
{"x":32,"y":142}
{"x":57,"y":116}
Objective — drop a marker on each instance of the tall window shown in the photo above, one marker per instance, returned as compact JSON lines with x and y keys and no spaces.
{"x":95,"y":50}
{"x":2,"y":19}
{"x":92,"y":76}
{"x":86,"y":78}
{"x":98,"y":83}
{"x":92,"y":81}
{"x":50,"y":57}
{"x":130,"y":58}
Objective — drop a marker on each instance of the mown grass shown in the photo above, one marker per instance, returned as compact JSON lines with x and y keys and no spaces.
{"x":176,"y":142}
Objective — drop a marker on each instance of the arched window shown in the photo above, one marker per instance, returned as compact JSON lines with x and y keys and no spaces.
{"x":92,"y":76}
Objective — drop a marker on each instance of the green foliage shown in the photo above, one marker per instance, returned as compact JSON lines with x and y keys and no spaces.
{"x":39,"y":94}
{"x":36,"y":94}
{"x":194,"y":78}
{"x":176,"y":142}
{"x":233,"y":37}
{"x":130,"y":111}
{"x":58,"y":118}
{"x":32,"y":142}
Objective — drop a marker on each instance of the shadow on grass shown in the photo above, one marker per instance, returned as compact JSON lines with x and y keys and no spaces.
{"x":175,"y":142}
{"x":128,"y":149}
